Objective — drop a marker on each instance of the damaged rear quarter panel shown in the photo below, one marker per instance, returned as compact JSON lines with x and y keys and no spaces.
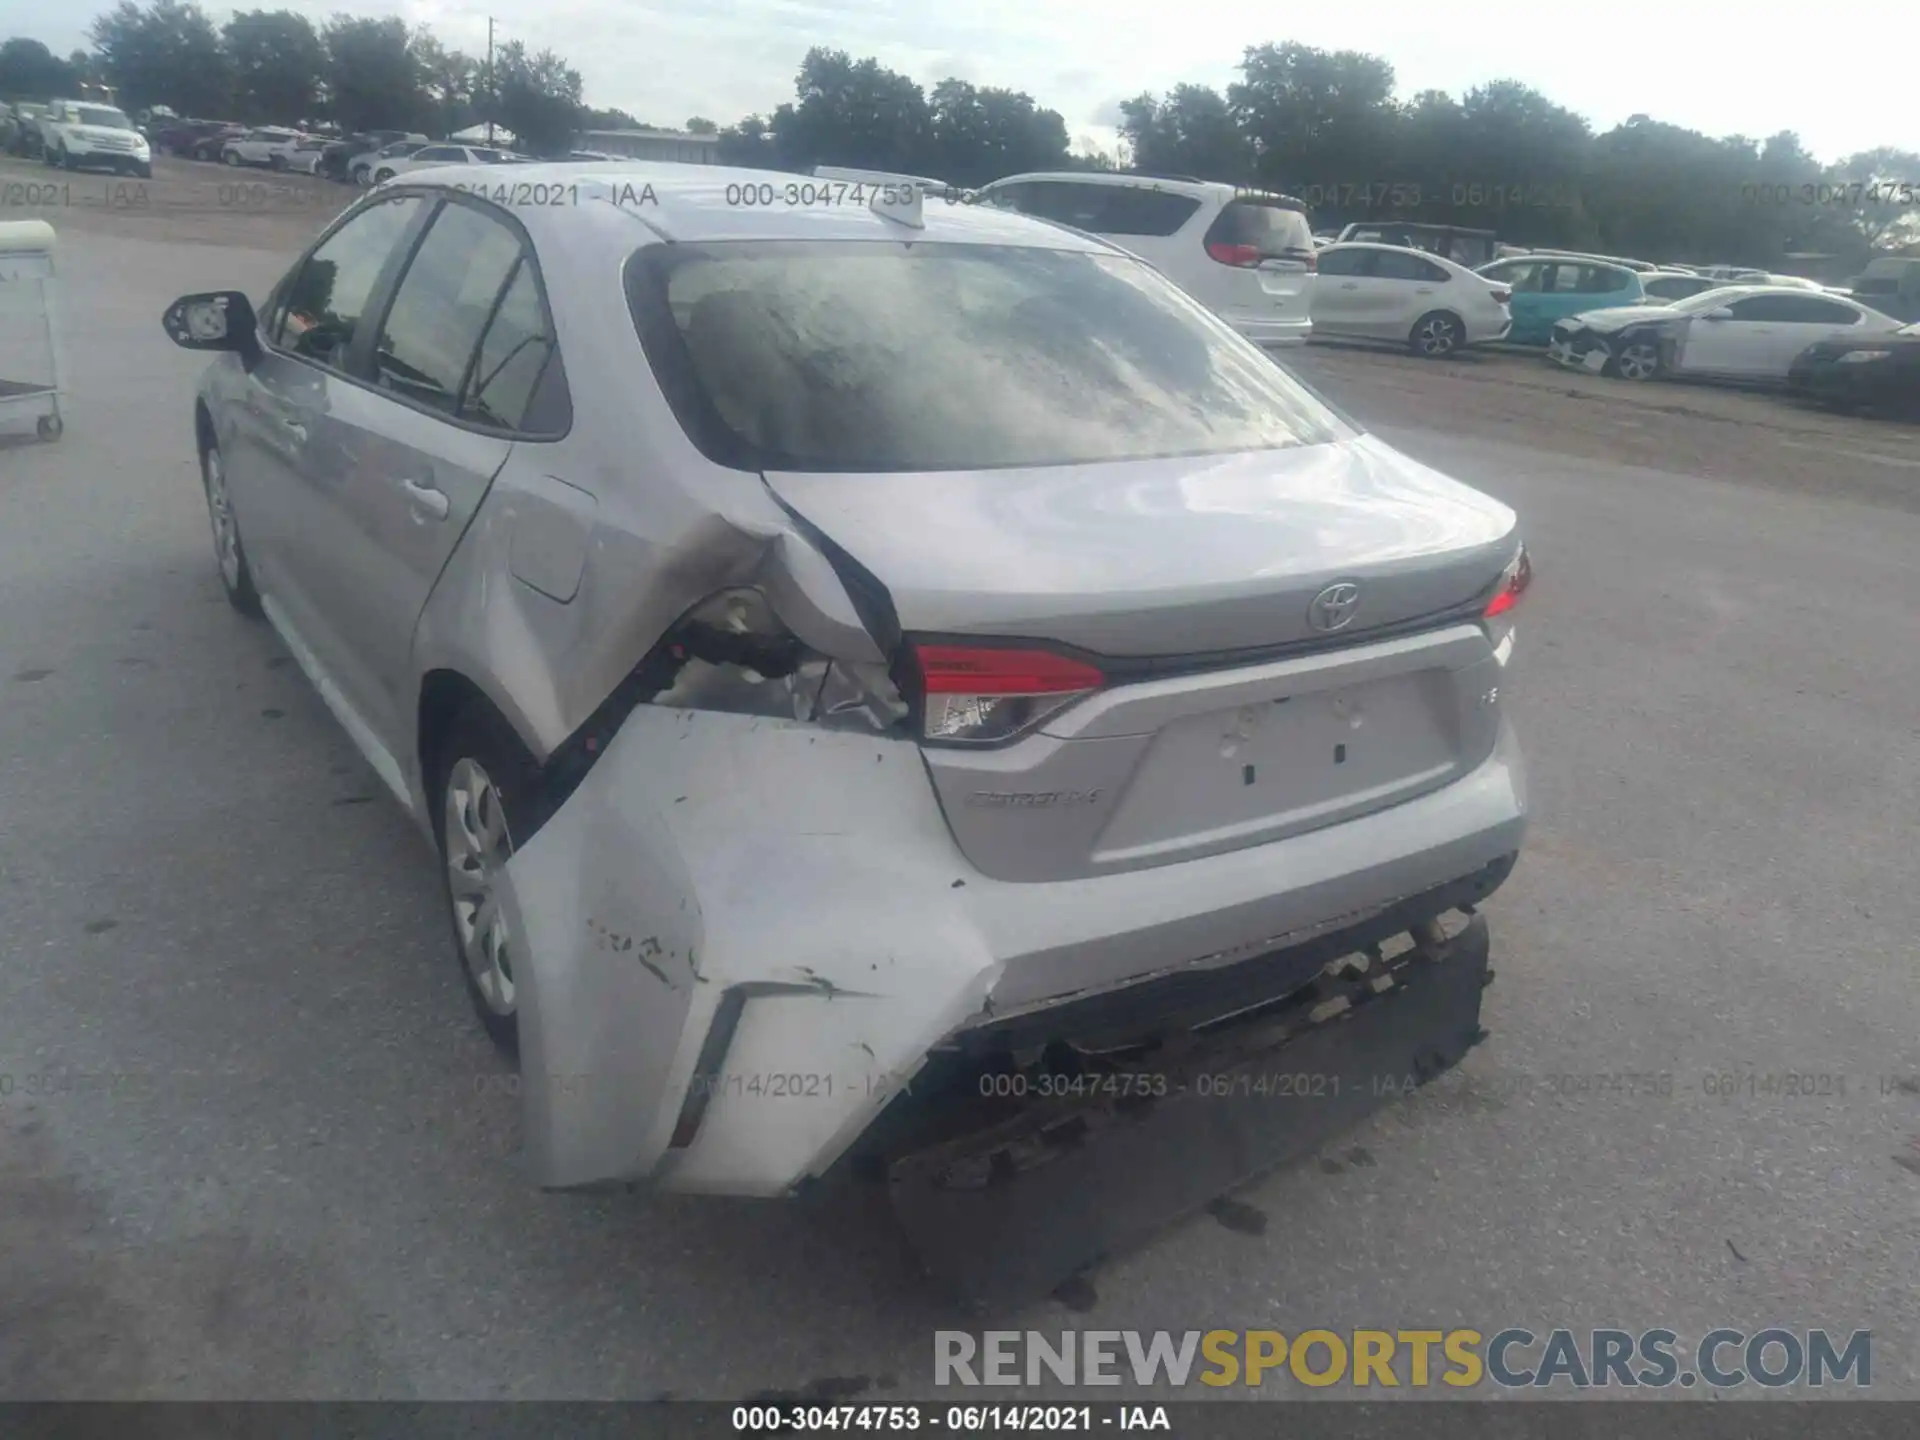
{"x":710,"y":851}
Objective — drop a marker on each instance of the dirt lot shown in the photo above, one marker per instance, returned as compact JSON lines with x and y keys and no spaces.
{"x":1512,"y":396}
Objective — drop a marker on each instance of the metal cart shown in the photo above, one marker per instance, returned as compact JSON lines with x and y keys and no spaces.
{"x":32,"y":368}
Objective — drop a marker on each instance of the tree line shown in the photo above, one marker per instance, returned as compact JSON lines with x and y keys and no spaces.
{"x":1326,"y":126}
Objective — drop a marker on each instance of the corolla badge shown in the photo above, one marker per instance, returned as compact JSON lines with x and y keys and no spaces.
{"x":1334,"y":607}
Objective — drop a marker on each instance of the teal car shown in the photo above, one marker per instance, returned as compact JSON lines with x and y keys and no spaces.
{"x":1547,"y":288}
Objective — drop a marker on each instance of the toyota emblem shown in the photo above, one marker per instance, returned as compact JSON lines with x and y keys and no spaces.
{"x":1334,"y":606}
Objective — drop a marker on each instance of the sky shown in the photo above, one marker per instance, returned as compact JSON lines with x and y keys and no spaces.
{"x":1710,"y":65}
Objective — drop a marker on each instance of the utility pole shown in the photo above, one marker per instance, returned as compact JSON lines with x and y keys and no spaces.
{"x":492,"y":91}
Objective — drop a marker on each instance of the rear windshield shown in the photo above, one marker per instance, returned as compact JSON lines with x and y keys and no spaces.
{"x":871,"y":357}
{"x":100,"y":115}
{"x":1274,"y":230}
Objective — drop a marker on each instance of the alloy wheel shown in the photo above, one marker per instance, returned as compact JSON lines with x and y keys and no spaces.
{"x":1437,"y":337}
{"x":226,"y":534}
{"x":477,"y":848}
{"x":1638,"y":361}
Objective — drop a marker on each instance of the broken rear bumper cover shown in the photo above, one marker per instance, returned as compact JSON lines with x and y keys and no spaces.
{"x":744,"y":938}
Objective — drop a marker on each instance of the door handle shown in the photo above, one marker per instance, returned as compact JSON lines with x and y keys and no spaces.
{"x":426,"y":500}
{"x":294,"y":428}
{"x":1424,"y":290}
{"x":1351,"y":285}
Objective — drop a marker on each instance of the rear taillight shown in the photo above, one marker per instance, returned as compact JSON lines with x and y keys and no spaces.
{"x":1244,"y":257}
{"x":1502,"y":294}
{"x":979,"y":695}
{"x":1513,"y":584}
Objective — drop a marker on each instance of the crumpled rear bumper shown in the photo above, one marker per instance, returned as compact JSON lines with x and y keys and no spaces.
{"x":743,"y":937}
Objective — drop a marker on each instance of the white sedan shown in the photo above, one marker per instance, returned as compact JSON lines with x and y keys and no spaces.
{"x":1411,"y":297}
{"x":429,"y":155}
{"x":1738,"y":332}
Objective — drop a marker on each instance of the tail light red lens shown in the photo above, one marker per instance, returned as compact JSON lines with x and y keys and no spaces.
{"x":1514,"y":581}
{"x":1245,"y":257}
{"x":1502,"y":294}
{"x":979,"y":695}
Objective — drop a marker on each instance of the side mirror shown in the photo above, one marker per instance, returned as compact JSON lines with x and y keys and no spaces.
{"x":220,"y":320}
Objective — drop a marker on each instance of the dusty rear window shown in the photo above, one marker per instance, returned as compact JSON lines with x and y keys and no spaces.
{"x":910,"y":357}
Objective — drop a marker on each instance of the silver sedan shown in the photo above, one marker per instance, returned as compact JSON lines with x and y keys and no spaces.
{"x":886,"y":680}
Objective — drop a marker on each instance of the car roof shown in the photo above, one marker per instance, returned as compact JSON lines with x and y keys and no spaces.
{"x":702,"y":203}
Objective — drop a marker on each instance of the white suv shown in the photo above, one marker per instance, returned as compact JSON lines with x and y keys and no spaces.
{"x":1247,"y":255}
{"x":268,"y":145}
{"x":81,"y":135}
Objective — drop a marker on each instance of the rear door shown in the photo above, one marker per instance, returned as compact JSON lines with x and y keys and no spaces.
{"x":452,"y":371}
{"x":1807,"y":320}
{"x":1258,"y":260}
{"x":1405,"y":287}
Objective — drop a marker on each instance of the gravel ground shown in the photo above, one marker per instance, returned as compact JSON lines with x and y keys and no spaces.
{"x":275,"y":1159}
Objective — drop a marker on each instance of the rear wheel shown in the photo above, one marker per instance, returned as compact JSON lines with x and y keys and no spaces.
{"x":382,"y":176}
{"x":1635,"y":360}
{"x":232,"y":157}
{"x":1438,"y":335}
{"x":490,"y":796}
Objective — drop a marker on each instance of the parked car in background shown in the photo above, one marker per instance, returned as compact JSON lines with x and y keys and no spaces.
{"x":361,"y":167}
{"x":1870,"y":372}
{"x":79,"y":135}
{"x":210,"y":145}
{"x":1665,"y":285}
{"x":1457,"y":243}
{"x":1248,"y":256}
{"x":590,"y":155}
{"x":985,"y":499}
{"x":1409,"y":297}
{"x":268,"y":145}
{"x":303,"y":157}
{"x":1891,"y":284}
{"x":1736,"y":332}
{"x":23,"y":128}
{"x":1639,"y":267}
{"x":1548,"y":288}
{"x":177,"y":137}
{"x":428,"y":156}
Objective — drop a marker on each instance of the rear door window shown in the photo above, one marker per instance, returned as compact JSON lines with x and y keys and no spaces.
{"x":1277,"y":231}
{"x":1812,"y":310}
{"x":457,"y":277}
{"x":818,"y":356}
{"x":1399,"y":265}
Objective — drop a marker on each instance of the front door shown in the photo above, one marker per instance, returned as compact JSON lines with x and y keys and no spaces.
{"x":289,"y":438}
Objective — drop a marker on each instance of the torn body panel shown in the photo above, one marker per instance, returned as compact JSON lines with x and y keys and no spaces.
{"x":812,"y":869}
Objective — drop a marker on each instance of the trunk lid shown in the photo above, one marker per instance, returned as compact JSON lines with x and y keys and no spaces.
{"x":1164,"y":558}
{"x":1229,"y":717}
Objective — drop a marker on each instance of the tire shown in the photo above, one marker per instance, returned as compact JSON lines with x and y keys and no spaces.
{"x":229,"y":555}
{"x":50,"y":427}
{"x":488,"y":795}
{"x":276,"y":162}
{"x":1635,"y":360}
{"x":1437,"y":336}
{"x":232,"y":157}
{"x":382,"y":176}
{"x":145,"y":172}
{"x":67,"y":162}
